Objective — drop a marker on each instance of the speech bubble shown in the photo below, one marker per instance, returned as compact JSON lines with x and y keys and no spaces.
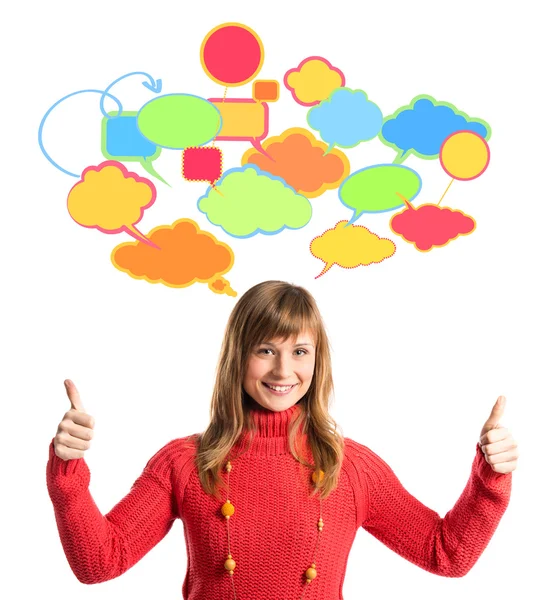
{"x":243,"y":120}
{"x":121,"y":140}
{"x":464,"y":155}
{"x":430,"y":226}
{"x":184,"y":255}
{"x":350,"y":246}
{"x":202,"y":164}
{"x":178,"y":121}
{"x":299,"y":158}
{"x":421,"y":127}
{"x":266,"y":90}
{"x":111,"y":199}
{"x":313,"y":80}
{"x":251,"y":201}
{"x":346,"y":118}
{"x":375,"y":189}
{"x":232,"y":54}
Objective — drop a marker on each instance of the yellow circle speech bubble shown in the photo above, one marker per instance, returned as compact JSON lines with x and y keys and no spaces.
{"x":464,"y":155}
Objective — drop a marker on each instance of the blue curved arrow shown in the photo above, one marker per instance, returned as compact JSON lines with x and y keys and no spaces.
{"x":154,"y":85}
{"x":41,"y":128}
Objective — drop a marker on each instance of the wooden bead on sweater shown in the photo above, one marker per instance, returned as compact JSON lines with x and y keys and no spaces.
{"x":228,"y":509}
{"x":311,"y":573}
{"x":230,"y":564}
{"x":321,"y":476}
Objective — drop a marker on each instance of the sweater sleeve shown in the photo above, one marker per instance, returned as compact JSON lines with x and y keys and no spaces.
{"x":97,"y":547}
{"x":447,"y":546}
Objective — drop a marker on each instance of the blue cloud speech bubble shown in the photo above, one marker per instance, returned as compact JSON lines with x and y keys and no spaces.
{"x":421,"y":127}
{"x":346,"y":118}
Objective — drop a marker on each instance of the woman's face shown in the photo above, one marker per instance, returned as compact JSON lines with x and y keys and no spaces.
{"x":280,"y":373}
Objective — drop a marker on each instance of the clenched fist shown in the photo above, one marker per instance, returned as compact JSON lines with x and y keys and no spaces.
{"x":75,"y":430}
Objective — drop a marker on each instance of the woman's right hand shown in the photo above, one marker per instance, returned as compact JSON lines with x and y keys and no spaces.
{"x":75,"y":430}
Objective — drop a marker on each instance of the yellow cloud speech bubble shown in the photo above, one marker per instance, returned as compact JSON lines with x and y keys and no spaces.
{"x":111,"y":199}
{"x":350,"y":247}
{"x":313,"y":80}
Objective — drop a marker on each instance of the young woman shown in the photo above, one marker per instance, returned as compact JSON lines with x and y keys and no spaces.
{"x":270,"y":495}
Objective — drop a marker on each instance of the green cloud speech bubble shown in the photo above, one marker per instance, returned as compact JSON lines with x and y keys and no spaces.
{"x":251,"y":201}
{"x":376,"y":189}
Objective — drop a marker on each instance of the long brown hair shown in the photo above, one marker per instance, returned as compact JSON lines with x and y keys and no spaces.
{"x":269,"y":310}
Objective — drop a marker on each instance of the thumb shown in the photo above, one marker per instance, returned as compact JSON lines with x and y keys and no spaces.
{"x":74,"y":396}
{"x":496,"y":414}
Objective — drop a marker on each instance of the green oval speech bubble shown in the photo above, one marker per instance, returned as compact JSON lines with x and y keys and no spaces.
{"x":375,"y":189}
{"x":178,"y":121}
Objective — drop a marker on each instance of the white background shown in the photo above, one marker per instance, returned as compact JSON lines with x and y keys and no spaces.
{"x":423,"y":342}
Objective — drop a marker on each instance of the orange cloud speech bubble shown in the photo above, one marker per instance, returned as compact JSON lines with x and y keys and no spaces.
{"x":184,"y":255}
{"x":350,"y":247}
{"x":298,"y":157}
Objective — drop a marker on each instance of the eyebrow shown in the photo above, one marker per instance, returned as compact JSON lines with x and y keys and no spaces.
{"x":298,"y":344}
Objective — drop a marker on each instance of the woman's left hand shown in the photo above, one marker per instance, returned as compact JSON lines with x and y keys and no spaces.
{"x":499,"y":448}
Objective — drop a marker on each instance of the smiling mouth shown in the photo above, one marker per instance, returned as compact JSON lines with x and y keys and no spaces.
{"x":280,"y":389}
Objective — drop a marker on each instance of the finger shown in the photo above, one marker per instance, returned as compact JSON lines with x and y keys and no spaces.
{"x":499,"y":447}
{"x":496,"y":413}
{"x":74,"y":396}
{"x":80,"y":418}
{"x":506,"y":467}
{"x":74,"y":442}
{"x":81,"y":432}
{"x":494,"y":435}
{"x":504,"y":457}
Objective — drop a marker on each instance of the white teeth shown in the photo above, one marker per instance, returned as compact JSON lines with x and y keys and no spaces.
{"x":279,"y":388}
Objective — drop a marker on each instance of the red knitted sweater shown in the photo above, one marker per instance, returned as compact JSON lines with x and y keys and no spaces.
{"x":274,"y":518}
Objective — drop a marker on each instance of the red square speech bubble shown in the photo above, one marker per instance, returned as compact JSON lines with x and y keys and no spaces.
{"x":202,"y":164}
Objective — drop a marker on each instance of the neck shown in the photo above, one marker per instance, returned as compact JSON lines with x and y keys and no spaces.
{"x":272,"y":430}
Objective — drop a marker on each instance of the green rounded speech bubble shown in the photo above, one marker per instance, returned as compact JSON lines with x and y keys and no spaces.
{"x":376,"y":189}
{"x":178,"y":121}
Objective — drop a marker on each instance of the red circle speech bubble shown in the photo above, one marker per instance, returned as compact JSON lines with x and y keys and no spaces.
{"x":232,"y":54}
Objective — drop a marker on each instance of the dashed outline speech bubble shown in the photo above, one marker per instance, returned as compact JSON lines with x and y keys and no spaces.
{"x":347,"y":245}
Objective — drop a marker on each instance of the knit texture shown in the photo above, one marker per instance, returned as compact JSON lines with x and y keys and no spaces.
{"x":273,"y":532}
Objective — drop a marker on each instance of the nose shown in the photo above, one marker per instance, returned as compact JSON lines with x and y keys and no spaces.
{"x":282,"y":367}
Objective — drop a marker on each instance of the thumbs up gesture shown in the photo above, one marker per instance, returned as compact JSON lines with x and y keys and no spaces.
{"x":75,"y":430}
{"x":499,"y":448}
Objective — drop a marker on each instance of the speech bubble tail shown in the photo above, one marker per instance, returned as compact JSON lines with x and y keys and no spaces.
{"x":356,"y":215}
{"x":219,"y":285}
{"x":216,"y":189}
{"x":408,"y":205}
{"x":134,"y":232}
{"x":401,"y":157}
{"x":331,"y":146}
{"x":258,"y":146}
{"x":149,"y":168}
{"x":326,"y":268}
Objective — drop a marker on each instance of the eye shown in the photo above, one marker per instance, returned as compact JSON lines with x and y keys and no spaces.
{"x":301,"y":350}
{"x":261,"y":350}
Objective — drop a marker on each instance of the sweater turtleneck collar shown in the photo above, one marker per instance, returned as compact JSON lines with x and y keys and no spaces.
{"x":272,"y":430}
